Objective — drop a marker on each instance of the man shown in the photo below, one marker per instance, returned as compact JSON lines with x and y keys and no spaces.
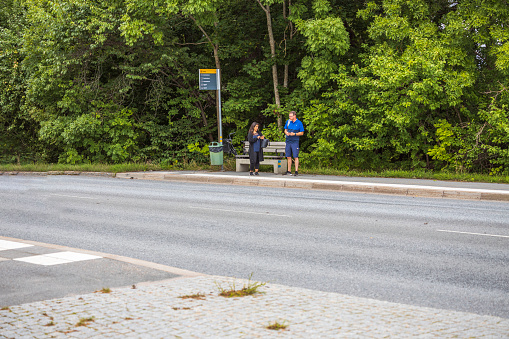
{"x":293,"y":130}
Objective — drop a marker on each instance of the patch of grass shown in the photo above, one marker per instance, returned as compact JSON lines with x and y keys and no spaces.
{"x":229,"y":165}
{"x":198,"y":296}
{"x":85,"y":321}
{"x":5,"y":308}
{"x":247,"y":289}
{"x":277,"y":326}
{"x":112,"y":168}
{"x":104,"y":290}
{"x":51,"y":323}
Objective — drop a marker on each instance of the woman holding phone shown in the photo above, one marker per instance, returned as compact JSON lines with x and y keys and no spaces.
{"x":255,"y":150}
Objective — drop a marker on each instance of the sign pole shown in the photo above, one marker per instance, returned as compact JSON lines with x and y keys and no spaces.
{"x":210,"y":80}
{"x":218,"y":74}
{"x":219,"y":105}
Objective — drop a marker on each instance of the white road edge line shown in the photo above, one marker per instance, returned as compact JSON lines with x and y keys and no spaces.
{"x":246,"y":212}
{"x":487,"y":235}
{"x":437,"y":188}
{"x":70,"y":196}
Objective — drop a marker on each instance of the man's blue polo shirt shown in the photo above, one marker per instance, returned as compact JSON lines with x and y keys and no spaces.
{"x":293,"y":127}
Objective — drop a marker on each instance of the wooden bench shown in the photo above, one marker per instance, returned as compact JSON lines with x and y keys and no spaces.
{"x":278,"y":161}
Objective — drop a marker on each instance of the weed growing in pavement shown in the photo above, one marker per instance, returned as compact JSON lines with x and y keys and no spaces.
{"x":104,"y":290}
{"x":248,"y":289}
{"x":85,"y":321}
{"x":5,"y":308}
{"x":198,"y":296}
{"x":51,"y":323}
{"x":67,"y":332}
{"x":277,"y":326}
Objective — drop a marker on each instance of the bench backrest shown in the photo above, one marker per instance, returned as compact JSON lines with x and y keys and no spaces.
{"x":273,"y":147}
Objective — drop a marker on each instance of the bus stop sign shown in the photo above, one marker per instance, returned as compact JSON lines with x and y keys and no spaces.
{"x":208,"y":80}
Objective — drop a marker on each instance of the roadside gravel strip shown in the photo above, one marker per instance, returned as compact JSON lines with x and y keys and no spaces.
{"x":302,"y":182}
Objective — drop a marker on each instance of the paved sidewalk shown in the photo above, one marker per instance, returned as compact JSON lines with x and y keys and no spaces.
{"x":396,"y":186}
{"x":158,"y":310}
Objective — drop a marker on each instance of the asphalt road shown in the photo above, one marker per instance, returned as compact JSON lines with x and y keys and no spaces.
{"x":440,"y":253}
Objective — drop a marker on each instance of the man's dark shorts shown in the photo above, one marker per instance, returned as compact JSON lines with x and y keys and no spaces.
{"x":292,"y":149}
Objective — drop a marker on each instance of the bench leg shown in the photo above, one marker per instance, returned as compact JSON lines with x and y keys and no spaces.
{"x":281,"y":166}
{"x":241,"y":167}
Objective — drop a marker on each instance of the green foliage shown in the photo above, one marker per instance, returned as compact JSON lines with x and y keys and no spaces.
{"x":412,"y":97}
{"x":18,"y":133}
{"x":273,"y":133}
{"x":326,"y":39}
{"x":249,"y":288}
{"x":380,"y":84}
{"x":92,"y":138}
{"x":202,"y":150}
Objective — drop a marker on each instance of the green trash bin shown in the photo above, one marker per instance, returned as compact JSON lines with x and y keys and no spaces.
{"x":216,"y":153}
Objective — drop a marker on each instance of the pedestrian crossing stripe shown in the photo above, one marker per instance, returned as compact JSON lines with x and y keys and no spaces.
{"x":57,"y":258}
{"x":45,"y":259}
{"x":6,"y":245}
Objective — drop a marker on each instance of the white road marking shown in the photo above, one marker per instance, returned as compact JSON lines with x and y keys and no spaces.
{"x":70,"y":196}
{"x":360,"y":183}
{"x":470,"y":233}
{"x":57,"y":258}
{"x":242,"y":212}
{"x":73,"y":256}
{"x":12,"y":245}
{"x":43,"y":260}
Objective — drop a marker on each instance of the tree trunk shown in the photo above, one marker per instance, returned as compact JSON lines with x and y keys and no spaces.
{"x":290,"y":27}
{"x":215,"y":48}
{"x":285,"y":78}
{"x":274,"y":65}
{"x":216,"y":55}
{"x":204,"y":118}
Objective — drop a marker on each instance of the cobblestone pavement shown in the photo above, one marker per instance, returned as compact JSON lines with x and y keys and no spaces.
{"x":157,"y":310}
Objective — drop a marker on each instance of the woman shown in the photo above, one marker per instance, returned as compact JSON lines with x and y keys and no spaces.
{"x":255,"y":151}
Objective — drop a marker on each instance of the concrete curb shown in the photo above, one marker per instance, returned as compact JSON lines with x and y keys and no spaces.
{"x":340,"y":186}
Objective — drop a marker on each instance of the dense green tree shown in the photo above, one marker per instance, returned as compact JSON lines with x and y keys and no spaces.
{"x":419,"y":76}
{"x":379,"y":84}
{"x":479,"y":142}
{"x":97,"y":98}
{"x":18,"y":133}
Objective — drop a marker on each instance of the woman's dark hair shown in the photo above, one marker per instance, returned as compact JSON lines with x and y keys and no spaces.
{"x":251,"y":129}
